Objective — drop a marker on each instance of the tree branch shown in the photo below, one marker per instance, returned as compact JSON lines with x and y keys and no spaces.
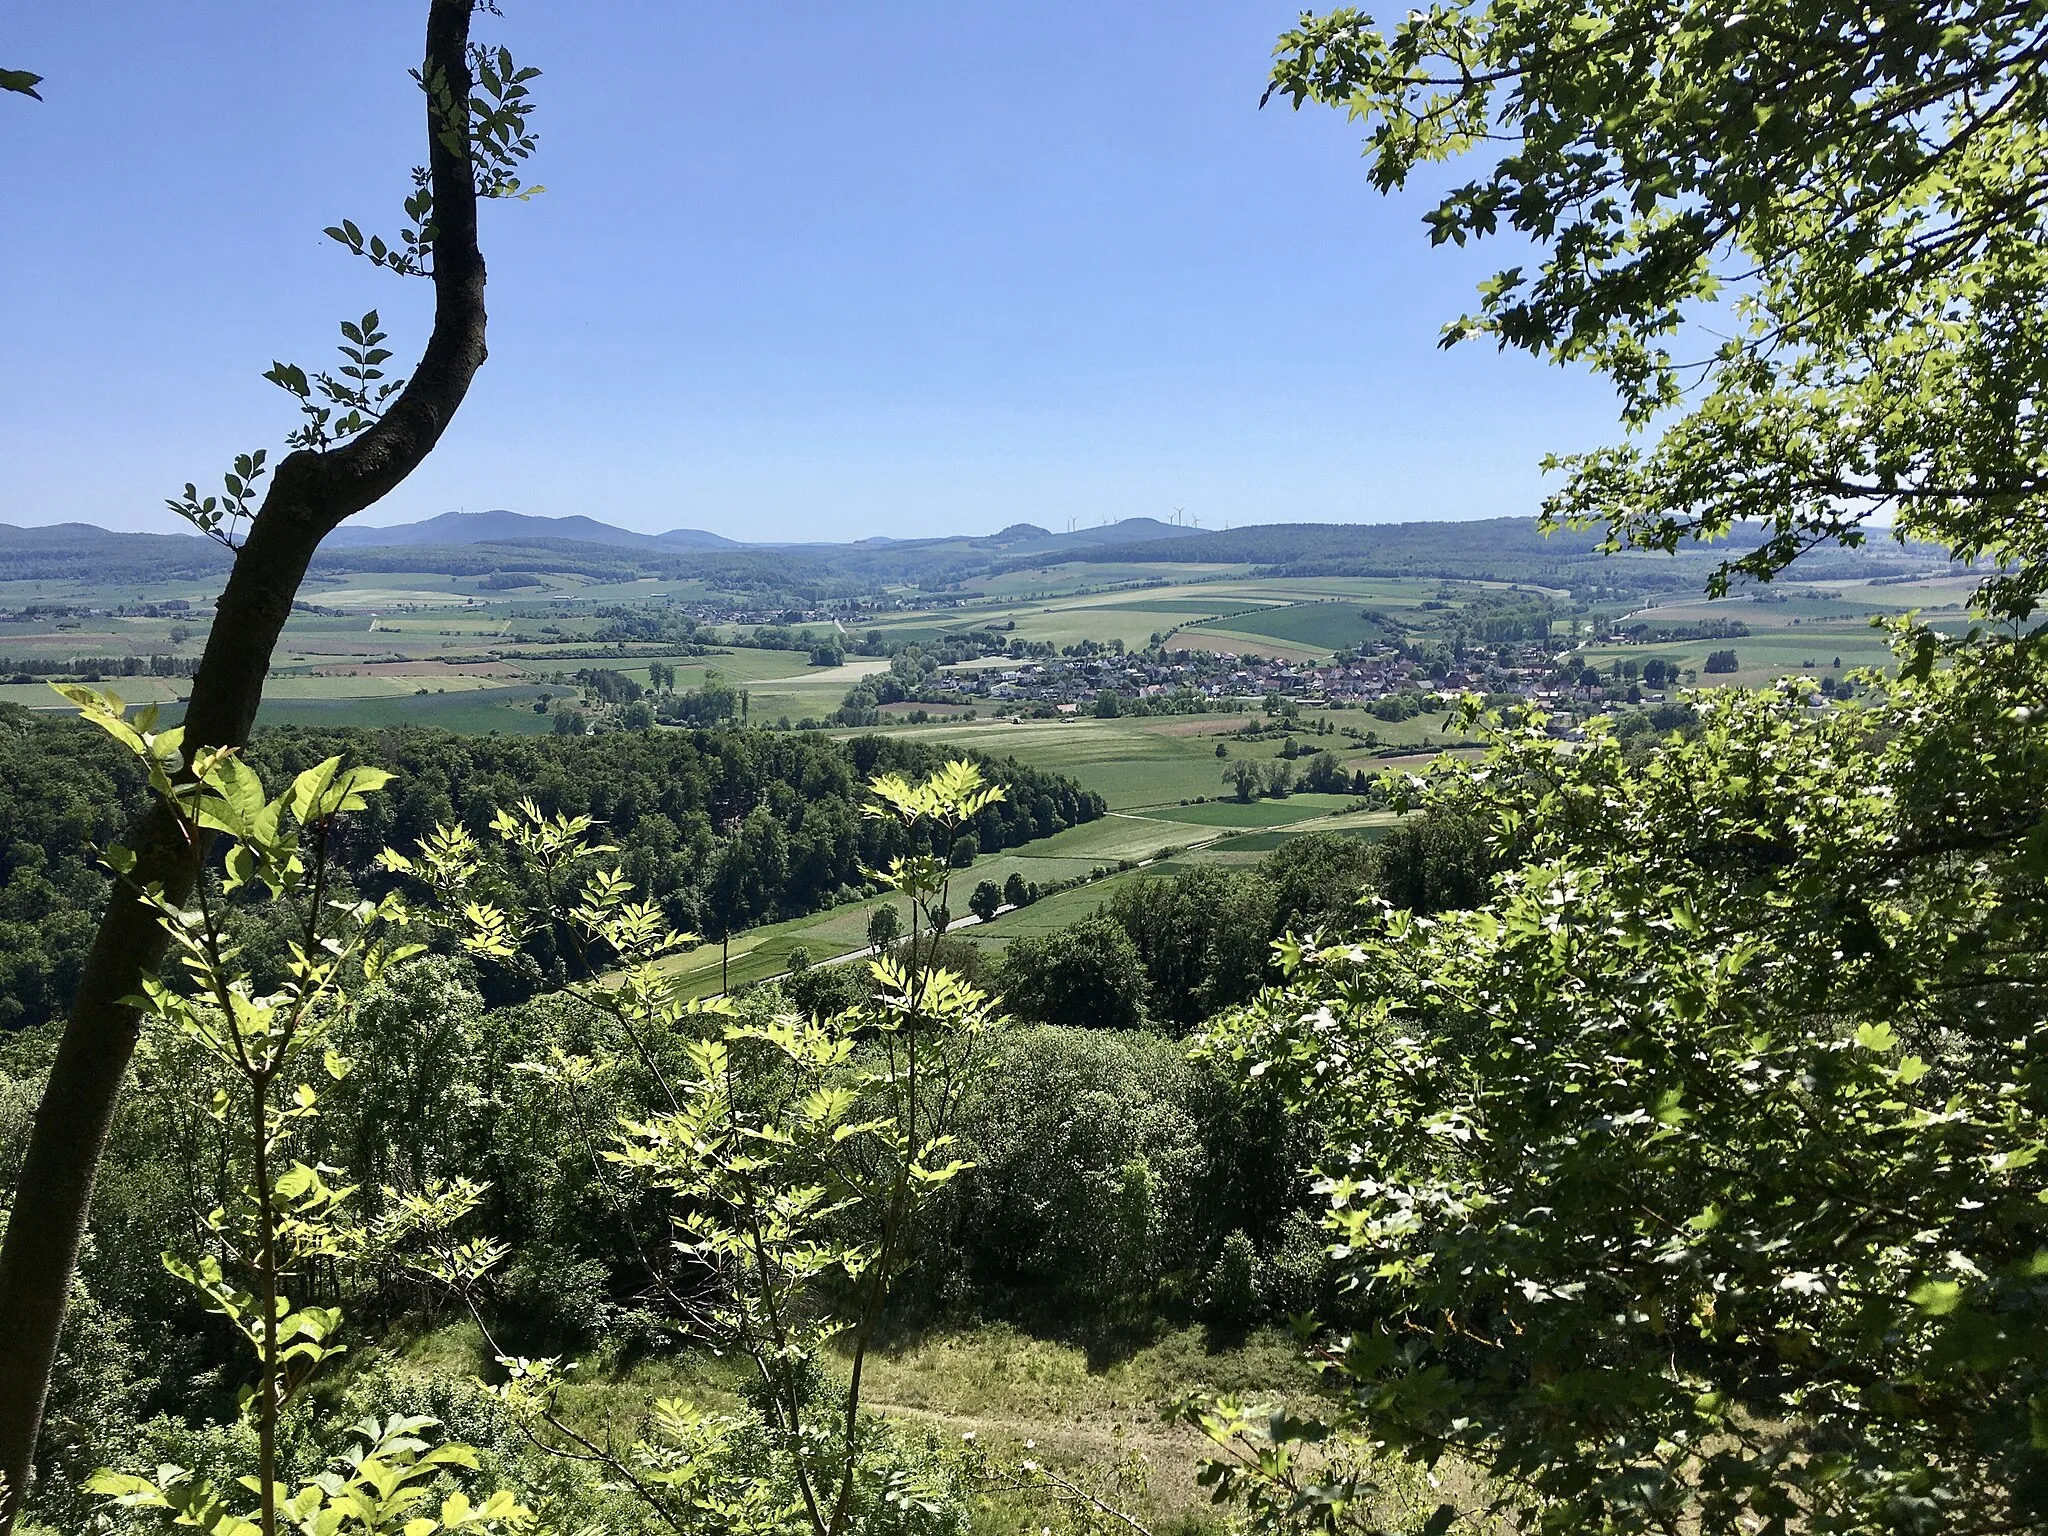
{"x":310,"y":496}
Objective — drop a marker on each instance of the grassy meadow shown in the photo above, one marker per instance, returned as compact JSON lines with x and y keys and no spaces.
{"x":1821,"y":629}
{"x":1087,"y":1409}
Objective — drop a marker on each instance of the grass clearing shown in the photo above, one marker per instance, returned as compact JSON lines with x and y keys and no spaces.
{"x":1053,"y":912}
{"x":1106,"y":840}
{"x":1130,"y":762}
{"x":1256,"y":813}
{"x":1263,"y":843}
{"x":1083,"y":1411}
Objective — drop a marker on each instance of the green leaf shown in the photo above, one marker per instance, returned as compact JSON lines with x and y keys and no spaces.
{"x":1937,"y":1298}
{"x":237,"y":803}
{"x":136,"y":1492}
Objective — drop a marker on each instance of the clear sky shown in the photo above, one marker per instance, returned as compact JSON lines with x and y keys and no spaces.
{"x":811,"y":269}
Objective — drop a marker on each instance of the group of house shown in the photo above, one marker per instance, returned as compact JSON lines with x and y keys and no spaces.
{"x":1074,"y":683}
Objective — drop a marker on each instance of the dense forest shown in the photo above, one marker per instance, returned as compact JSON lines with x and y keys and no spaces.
{"x":723,"y":829}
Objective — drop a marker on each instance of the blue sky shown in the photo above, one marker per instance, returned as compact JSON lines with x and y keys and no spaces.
{"x":803,"y":270}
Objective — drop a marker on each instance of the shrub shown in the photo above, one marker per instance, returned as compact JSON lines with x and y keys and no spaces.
{"x":1231,"y":1293}
{"x":1088,"y":1172}
{"x":986,"y":899}
{"x":1085,"y":974}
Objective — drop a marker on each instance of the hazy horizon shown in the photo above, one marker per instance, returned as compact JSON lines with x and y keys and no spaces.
{"x":924,"y":272}
{"x":365,"y":523}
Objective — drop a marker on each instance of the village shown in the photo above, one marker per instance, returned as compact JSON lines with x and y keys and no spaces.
{"x":1391,"y":682}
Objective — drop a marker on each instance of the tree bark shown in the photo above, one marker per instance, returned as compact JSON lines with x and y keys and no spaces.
{"x":311,"y":494}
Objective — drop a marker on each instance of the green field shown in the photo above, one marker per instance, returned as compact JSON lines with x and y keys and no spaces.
{"x":1324,"y":626}
{"x":508,"y":711}
{"x":1216,"y":605}
{"x":1186,"y":834}
{"x":1142,"y":762}
{"x":1266,"y":842}
{"x":1068,"y":578}
{"x":1129,"y":762}
{"x":1800,"y":630}
{"x":1258,"y":813}
{"x":1308,"y":817}
{"x":1210,"y":609}
{"x":1053,"y":912}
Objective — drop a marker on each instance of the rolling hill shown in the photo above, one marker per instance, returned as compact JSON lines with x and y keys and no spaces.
{"x":500,"y":527}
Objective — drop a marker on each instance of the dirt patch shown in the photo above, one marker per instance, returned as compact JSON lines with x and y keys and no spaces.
{"x":1200,"y":726}
{"x":502,"y":670}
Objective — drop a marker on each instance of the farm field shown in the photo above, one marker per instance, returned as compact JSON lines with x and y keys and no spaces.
{"x":1317,"y":627}
{"x":1135,"y":762}
{"x":508,"y":711}
{"x":1233,"y":814}
{"x":1129,"y":762}
{"x":135,"y":690}
{"x":1077,"y":577}
{"x":1298,"y":619}
{"x":1238,"y":850}
{"x":1798,"y":630}
{"x":364,"y":647}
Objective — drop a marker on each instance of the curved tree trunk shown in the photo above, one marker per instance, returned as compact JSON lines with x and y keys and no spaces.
{"x":311,"y":494}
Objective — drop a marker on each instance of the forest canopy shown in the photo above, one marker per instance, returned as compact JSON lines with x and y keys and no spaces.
{"x":681,"y":805}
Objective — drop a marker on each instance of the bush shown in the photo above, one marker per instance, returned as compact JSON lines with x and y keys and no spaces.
{"x":1086,"y":974}
{"x":1324,"y":775}
{"x":1088,"y":1161}
{"x":824,"y":991}
{"x":1317,"y":881}
{"x":884,"y":924}
{"x":1296,"y":1278}
{"x":1702,"y":1165}
{"x":1201,"y":936}
{"x":1433,"y":863}
{"x":1231,"y":1293}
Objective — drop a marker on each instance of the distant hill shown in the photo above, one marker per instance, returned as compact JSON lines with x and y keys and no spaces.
{"x":515,"y":527}
{"x":482,"y":544}
{"x":84,"y":552}
{"x":500,"y":527}
{"x":1392,"y":547}
{"x":1132,"y":530}
{"x":1029,"y":538}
